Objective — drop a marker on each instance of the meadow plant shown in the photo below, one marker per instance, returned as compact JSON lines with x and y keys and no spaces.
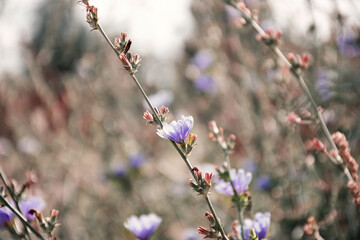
{"x":21,"y":214}
{"x":232,"y":183}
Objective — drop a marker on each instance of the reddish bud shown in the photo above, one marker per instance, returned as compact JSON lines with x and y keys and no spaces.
{"x":318,"y":145}
{"x":203,"y":231}
{"x":148,"y":116}
{"x":294,"y":118}
{"x":208,"y":177}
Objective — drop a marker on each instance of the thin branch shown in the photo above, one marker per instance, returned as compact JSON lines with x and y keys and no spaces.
{"x":302,"y":84}
{"x":182,"y":155}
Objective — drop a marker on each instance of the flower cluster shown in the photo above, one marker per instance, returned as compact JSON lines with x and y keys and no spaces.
{"x":213,"y":232}
{"x":91,"y":15}
{"x":217,"y":135}
{"x":270,"y":37}
{"x":202,"y":183}
{"x":144,"y":226}
{"x":344,"y":152}
{"x":151,"y":118}
{"x":299,"y":62}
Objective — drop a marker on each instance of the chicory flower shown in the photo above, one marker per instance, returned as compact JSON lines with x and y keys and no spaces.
{"x":177,"y":131}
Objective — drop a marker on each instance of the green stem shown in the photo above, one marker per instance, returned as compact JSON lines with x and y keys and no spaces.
{"x":241,"y":221}
{"x":183,"y":156}
{"x":21,"y":217}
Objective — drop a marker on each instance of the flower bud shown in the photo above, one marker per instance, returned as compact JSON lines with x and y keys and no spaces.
{"x":213,"y":127}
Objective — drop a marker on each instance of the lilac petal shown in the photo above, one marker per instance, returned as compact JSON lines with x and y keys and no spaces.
{"x":144,"y":226}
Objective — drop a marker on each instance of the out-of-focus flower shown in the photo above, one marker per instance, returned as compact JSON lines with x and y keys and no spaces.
{"x":190,"y":234}
{"x":161,"y":98}
{"x":232,"y":13}
{"x":137,"y":160}
{"x":324,"y":83}
{"x":205,"y":83}
{"x":118,"y":171}
{"x":144,"y":226}
{"x":348,"y":43}
{"x":5,"y":216}
{"x":31,"y":203}
{"x":29,"y":145}
{"x":240,"y":180}
{"x":261,"y":225}
{"x":177,"y":131}
{"x":203,"y":59}
{"x":263,"y":182}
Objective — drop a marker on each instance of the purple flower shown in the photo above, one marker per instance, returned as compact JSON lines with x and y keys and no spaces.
{"x":203,"y":59}
{"x":205,"y":83}
{"x":177,"y":131}
{"x":260,"y":224}
{"x":31,"y":203}
{"x":160,"y":98}
{"x":144,"y":226}
{"x":5,"y":216}
{"x":349,"y":44}
{"x":119,"y":172}
{"x":240,"y":180}
{"x":263,"y":183}
{"x":137,"y":160}
{"x":324,"y":83}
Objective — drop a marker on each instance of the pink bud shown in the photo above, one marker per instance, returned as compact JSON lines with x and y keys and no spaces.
{"x":318,"y":145}
{"x":213,"y":127}
{"x":203,"y":231}
{"x":294,"y":118}
{"x":208,"y":177}
{"x":148,"y":116}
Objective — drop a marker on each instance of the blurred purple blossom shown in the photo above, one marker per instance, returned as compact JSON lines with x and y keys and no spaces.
{"x":263,"y":182}
{"x":250,"y":165}
{"x":205,"y":83}
{"x":324,"y":83}
{"x":203,"y":59}
{"x":232,"y":13}
{"x":161,"y":98}
{"x":31,"y":203}
{"x":119,"y":171}
{"x":260,"y":224}
{"x":177,"y":131}
{"x":137,"y":160}
{"x":144,"y":226}
{"x":348,"y":43}
{"x":191,"y":234}
{"x":240,"y":180}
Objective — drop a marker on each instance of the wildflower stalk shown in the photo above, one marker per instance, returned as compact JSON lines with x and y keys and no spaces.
{"x":300,"y":79}
{"x":21,"y":217}
{"x":182,"y":155}
{"x":14,"y":198}
{"x":238,"y":204}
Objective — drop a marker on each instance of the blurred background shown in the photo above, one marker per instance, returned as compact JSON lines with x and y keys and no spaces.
{"x":71,"y":114}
